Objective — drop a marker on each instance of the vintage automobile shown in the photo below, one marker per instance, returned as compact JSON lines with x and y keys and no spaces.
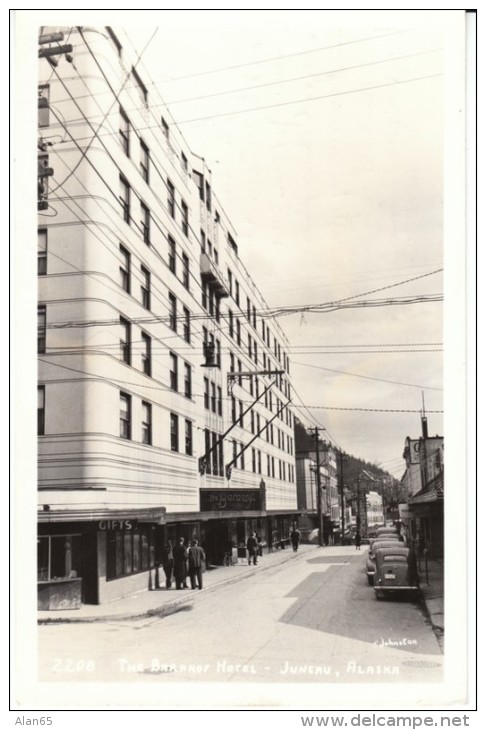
{"x":388,"y":541}
{"x":395,"y":572}
{"x":386,"y":531}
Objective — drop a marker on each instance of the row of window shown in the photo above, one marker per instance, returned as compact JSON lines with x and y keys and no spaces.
{"x":143,"y":93}
{"x":125,"y":198}
{"x":213,"y":441}
{"x":213,"y":397}
{"x":286,"y":471}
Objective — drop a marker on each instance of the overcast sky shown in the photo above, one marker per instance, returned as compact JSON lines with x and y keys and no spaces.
{"x":335,"y":188}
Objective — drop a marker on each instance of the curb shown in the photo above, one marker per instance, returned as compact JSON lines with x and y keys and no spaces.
{"x":179,"y":604}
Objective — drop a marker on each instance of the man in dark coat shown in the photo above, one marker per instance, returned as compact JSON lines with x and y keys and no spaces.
{"x":196,"y":563}
{"x":168,"y":563}
{"x":180,"y":564}
{"x":295,"y":538}
{"x":252,"y":547}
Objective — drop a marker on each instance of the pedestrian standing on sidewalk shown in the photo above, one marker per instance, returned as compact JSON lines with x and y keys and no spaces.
{"x":295,"y":538}
{"x":168,"y":563}
{"x":252,"y":547}
{"x":357,"y":541}
{"x":180,"y":564}
{"x":196,"y":563}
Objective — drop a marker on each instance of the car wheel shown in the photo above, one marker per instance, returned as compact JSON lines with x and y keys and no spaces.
{"x":370,"y":580}
{"x":378,"y":595}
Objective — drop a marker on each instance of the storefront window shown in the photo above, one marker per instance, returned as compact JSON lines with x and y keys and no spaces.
{"x":129,"y":552}
{"x":58,"y":557}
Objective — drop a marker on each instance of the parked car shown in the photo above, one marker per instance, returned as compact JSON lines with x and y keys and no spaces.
{"x":386,"y":531}
{"x":395,"y":572}
{"x":375,"y":545}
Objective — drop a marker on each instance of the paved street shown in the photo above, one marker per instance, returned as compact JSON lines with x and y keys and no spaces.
{"x":312,"y":619}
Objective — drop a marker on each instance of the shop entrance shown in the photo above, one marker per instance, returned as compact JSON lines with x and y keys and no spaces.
{"x":216,"y":543}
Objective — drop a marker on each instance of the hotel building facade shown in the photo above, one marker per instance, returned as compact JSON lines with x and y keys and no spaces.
{"x":164,"y":392}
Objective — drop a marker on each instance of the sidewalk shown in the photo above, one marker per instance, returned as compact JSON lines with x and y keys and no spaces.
{"x":162,"y":602}
{"x":432,"y":587}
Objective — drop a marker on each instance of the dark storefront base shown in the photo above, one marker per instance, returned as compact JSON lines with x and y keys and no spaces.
{"x":221,"y":535}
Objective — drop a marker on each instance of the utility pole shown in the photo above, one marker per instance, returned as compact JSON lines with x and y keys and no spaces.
{"x":358,"y":509}
{"x":319,"y":493}
{"x":341,"y":473}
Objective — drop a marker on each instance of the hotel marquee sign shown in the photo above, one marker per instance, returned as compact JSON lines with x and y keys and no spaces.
{"x":225,"y":500}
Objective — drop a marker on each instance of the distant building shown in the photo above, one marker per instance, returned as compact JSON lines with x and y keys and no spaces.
{"x":423,"y":479}
{"x":374,"y":510}
{"x":307,"y":494}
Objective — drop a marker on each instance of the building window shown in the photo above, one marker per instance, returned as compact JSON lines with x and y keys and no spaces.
{"x":42,"y":251}
{"x":237,"y":292}
{"x":172,"y":255}
{"x":233,"y":409}
{"x":125,"y":341}
{"x":173,"y":376}
{"x":146,"y":354}
{"x":199,"y":180}
{"x":114,"y":40}
{"x":240,"y":420}
{"x":213,"y":397}
{"x":41,"y":330}
{"x":125,"y":416}
{"x":58,"y":557}
{"x":248,"y":309}
{"x":145,"y":223}
{"x":242,"y":458}
{"x":43,"y":105}
{"x":174,"y":432}
{"x":188,"y":434}
{"x":142,"y":90}
{"x":214,"y":453}
{"x":187,"y":380}
{"x":253,"y":460}
{"x":220,"y":401}
{"x":144,"y":161}
{"x":218,"y":354}
{"x":208,"y":196}
{"x":230,"y":282}
{"x":206,"y":393}
{"x":146,"y":423}
{"x":203,"y":241}
{"x":41,"y":409}
{"x":185,"y":271}
{"x":145,"y":287}
{"x":184,"y":161}
{"x":171,"y":198}
{"x":172,"y":312}
{"x":124,"y":132}
{"x":186,"y":324}
{"x":230,"y":323}
{"x":165,"y":127}
{"x":125,"y":269}
{"x":185,"y":218}
{"x":238,"y":331}
{"x":129,"y":552}
{"x":125,"y":199}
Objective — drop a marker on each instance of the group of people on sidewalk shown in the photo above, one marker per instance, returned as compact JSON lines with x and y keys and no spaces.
{"x":182,"y":562}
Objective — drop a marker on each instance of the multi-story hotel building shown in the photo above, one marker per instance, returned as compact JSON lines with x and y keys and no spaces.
{"x":164,"y":388}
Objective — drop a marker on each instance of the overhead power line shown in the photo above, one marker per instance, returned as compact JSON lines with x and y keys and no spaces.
{"x":288,"y":55}
{"x":303,"y":101}
{"x":366,"y":377}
